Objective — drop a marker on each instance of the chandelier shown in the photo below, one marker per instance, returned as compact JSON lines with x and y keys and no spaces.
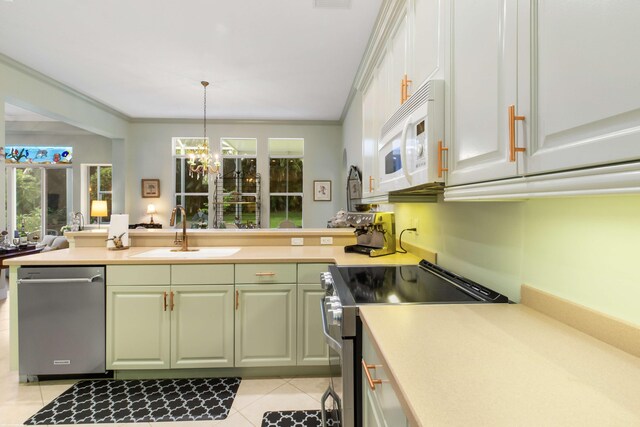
{"x":201,"y":162}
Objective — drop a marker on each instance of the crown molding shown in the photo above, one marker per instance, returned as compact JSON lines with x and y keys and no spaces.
{"x":236,"y":122}
{"x":18,"y":66}
{"x":382,"y":29}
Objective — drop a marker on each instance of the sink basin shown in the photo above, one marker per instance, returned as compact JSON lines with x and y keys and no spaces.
{"x":195,"y":254}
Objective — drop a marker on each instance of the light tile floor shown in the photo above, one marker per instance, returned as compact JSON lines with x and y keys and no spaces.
{"x":255,"y":396}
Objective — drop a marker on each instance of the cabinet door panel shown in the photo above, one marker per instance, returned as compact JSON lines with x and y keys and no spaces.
{"x":312,"y":348}
{"x":399,"y":62}
{"x":265,"y":325}
{"x":586,"y":91}
{"x":370,"y":131}
{"x":383,"y":399}
{"x":202,"y":326}
{"x":137,"y":327}
{"x":427,"y":41}
{"x":371,"y":412}
{"x":483,"y":84}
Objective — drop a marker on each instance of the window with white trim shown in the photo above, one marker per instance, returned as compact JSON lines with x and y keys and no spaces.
{"x":96,"y":185}
{"x":192,"y":192}
{"x":239,"y":189}
{"x":286,"y":160}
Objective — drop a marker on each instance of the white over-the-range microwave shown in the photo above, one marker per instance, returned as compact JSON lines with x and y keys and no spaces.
{"x":408,"y":148}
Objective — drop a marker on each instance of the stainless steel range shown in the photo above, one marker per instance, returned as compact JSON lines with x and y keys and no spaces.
{"x":349,"y":287}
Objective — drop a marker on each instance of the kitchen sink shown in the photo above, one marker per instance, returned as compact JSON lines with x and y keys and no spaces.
{"x":194,"y":253}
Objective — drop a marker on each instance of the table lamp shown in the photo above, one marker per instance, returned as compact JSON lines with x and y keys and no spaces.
{"x":151,"y":209}
{"x":99,"y":209}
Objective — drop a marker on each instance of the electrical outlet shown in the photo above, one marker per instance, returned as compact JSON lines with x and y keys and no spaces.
{"x":326,"y":240}
{"x":415,"y":223}
{"x":297,"y":241}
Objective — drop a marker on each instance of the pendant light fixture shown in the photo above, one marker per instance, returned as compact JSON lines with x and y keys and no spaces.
{"x":201,"y":162}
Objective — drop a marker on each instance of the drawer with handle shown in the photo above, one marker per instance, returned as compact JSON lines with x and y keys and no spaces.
{"x":377,"y":389}
{"x":266,"y":273}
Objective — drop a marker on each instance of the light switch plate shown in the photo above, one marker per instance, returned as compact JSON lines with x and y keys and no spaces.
{"x":297,"y":241}
{"x":326,"y":240}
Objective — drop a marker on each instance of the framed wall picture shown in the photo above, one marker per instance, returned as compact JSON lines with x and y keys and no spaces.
{"x":322,"y":191}
{"x":150,"y":188}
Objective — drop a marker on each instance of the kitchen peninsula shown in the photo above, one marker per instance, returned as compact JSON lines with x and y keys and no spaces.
{"x":142,"y":281}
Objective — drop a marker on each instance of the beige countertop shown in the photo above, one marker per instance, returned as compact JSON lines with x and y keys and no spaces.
{"x":501,"y":365}
{"x":220,"y":231}
{"x":249,"y":254}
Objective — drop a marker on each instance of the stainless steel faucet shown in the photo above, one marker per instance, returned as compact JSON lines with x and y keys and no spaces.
{"x":184,"y":240}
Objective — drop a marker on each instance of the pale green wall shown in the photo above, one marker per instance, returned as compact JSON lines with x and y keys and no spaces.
{"x":33,"y":91}
{"x":151,"y":146}
{"x":352,"y":132}
{"x":583,"y":249}
{"x":147,"y":154}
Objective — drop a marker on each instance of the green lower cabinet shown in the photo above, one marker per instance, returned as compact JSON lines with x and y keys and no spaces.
{"x":265,"y":325}
{"x":138,"y":327}
{"x":381,"y":406}
{"x":371,"y":413}
{"x":161,"y":327}
{"x":312,"y":348}
{"x":202,"y":326}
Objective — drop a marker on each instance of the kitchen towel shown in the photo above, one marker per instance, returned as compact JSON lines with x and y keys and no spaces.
{"x":119,"y":224}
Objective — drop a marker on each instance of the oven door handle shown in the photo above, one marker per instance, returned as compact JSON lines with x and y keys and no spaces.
{"x":332,"y":342}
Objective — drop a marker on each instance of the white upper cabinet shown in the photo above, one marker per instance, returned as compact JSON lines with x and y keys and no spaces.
{"x":399,"y":55}
{"x":407,"y":45}
{"x":370,"y":133}
{"x":584,"y":83}
{"x":483,"y":84}
{"x":426,"y":41}
{"x":569,"y":72}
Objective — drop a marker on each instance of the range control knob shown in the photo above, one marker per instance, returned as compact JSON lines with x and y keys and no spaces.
{"x":326,"y":281}
{"x":336,"y":316}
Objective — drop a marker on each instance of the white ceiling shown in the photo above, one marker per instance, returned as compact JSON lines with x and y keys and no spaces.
{"x":265,"y":59}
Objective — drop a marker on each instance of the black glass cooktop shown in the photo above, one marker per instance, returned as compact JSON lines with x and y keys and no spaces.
{"x":400,"y":284}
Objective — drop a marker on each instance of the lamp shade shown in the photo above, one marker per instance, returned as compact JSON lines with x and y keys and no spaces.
{"x":151,"y":209}
{"x":99,"y":208}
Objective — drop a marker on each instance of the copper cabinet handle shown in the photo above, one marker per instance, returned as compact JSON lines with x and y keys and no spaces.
{"x":372,"y":382}
{"x":371,"y":179}
{"x":404,"y":89}
{"x":512,"y":133}
{"x":164,"y":301}
{"x":268,"y":273}
{"x":237,"y":299}
{"x":171,"y":305}
{"x":441,"y":149}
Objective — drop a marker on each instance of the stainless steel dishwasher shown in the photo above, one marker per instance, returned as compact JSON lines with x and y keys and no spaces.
{"x":61,"y":320}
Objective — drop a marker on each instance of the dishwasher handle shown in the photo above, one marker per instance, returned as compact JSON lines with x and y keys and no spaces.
{"x":69,"y":280}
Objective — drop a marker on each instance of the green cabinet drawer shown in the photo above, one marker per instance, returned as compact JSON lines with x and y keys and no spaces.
{"x":120,"y":275}
{"x":265,"y":273}
{"x":202,"y":274}
{"x":310,"y":273}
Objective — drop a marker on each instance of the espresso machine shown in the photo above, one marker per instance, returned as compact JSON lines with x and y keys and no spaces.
{"x":375,"y":233}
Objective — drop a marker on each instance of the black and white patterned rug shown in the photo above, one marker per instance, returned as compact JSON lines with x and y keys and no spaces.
{"x":130,"y":401}
{"x":297,"y":419}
